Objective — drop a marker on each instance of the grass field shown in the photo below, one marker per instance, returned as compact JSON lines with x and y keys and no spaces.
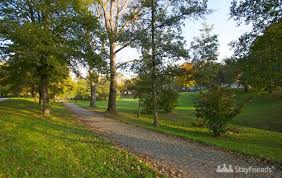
{"x":262,"y":113}
{"x":32,"y":146}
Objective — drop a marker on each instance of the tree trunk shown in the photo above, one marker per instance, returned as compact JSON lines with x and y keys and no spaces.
{"x":113,"y":82}
{"x":33,"y":92}
{"x":154,"y":97}
{"x":246,"y":88}
{"x":45,"y":99}
{"x":93,"y":96}
{"x":40,"y":96}
{"x":44,"y":87}
{"x":44,"y":75}
{"x":92,"y":93}
{"x":139,"y":108}
{"x":269,"y":89}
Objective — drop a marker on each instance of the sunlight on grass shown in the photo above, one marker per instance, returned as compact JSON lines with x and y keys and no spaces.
{"x":255,"y":142}
{"x":31,"y":146}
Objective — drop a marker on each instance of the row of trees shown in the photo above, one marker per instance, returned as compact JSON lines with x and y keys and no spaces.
{"x":40,"y":40}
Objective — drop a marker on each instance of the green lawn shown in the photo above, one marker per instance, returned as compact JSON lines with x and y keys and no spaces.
{"x":262,"y":113}
{"x":31,"y":146}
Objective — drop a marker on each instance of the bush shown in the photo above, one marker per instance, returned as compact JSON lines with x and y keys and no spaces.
{"x":147,"y":104}
{"x":166,"y":101}
{"x":217,"y":107}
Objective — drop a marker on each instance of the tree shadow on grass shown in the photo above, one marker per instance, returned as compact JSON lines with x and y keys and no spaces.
{"x":15,"y":113}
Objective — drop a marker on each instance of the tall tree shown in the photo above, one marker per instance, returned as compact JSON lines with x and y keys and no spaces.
{"x":33,"y":31}
{"x":257,"y":51}
{"x":205,"y":47}
{"x":264,"y":59}
{"x":204,"y":52}
{"x":154,"y":62}
{"x":88,"y":39}
{"x":116,"y":17}
{"x":260,"y":14}
{"x":158,"y":36}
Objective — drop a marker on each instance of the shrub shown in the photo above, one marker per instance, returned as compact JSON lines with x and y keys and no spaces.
{"x":147,"y":104}
{"x":217,"y":107}
{"x":166,"y":99}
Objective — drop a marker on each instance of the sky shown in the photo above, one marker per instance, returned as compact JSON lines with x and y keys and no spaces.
{"x":224,"y":27}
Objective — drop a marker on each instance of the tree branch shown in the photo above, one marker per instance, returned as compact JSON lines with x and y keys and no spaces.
{"x":124,"y":63}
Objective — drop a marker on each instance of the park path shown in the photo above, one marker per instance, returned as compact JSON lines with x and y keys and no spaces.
{"x":2,"y":99}
{"x":192,"y":159}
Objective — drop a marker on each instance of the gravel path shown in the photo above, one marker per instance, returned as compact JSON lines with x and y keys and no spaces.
{"x":192,"y":159}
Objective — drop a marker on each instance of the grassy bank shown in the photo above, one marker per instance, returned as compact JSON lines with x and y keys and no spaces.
{"x":252,"y":139}
{"x":31,"y":146}
{"x":263,"y":111}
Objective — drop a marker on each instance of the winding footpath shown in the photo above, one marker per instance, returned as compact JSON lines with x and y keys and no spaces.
{"x":192,"y":159}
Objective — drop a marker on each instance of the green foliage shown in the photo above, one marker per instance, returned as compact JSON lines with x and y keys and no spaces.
{"x":226,"y":74}
{"x":168,"y":99}
{"x":205,"y":74}
{"x":103,"y":89}
{"x":147,"y":104}
{"x":269,"y":12}
{"x":204,"y":51}
{"x":259,"y":52}
{"x":35,"y":39}
{"x":217,"y":107}
{"x":261,"y":66}
{"x":205,"y":47}
{"x":82,"y":89}
{"x":129,"y":86}
{"x":262,"y":112}
{"x":165,"y":89}
{"x":265,"y":56}
{"x":161,"y":43}
{"x":65,"y":89}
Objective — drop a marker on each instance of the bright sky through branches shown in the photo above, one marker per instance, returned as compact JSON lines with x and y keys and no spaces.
{"x":225,"y":28}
